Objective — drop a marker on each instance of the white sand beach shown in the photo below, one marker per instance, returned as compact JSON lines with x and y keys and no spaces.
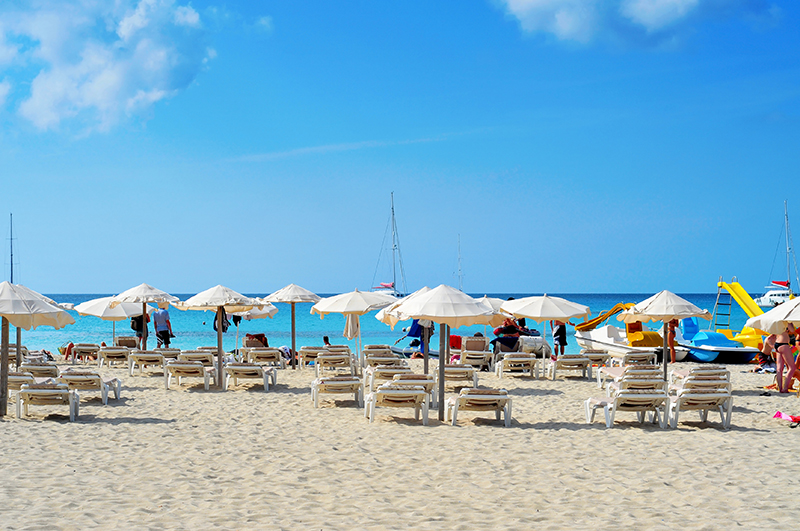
{"x":186,"y":459}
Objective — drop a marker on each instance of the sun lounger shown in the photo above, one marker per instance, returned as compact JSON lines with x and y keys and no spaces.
{"x":646,"y":357}
{"x":334,"y":360}
{"x":392,"y":395}
{"x":47,"y":395}
{"x":144,"y":358}
{"x":516,"y":362}
{"x":84,"y":351}
{"x":338,"y":385}
{"x":203,"y":356}
{"x":716,"y":371}
{"x":264,"y":355}
{"x":615,"y":373}
{"x":126,"y":341}
{"x":702,"y":400}
{"x":188,"y":369}
{"x":308,"y":354}
{"x":456,"y":373}
{"x":375,"y":358}
{"x":496,"y":400}
{"x":569,"y":362}
{"x":382,"y":372}
{"x":598,"y":357}
{"x":41,"y":369}
{"x":475,"y":351}
{"x":640,"y":401}
{"x":91,"y":381}
{"x":236,"y":371}
{"x":109,"y":355}
{"x":426,"y":381}
{"x":168,"y":353}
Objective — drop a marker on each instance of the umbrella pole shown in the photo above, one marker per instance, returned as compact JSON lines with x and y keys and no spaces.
{"x":113,"y":332}
{"x":425,"y":348}
{"x":19,"y":346}
{"x":294,"y":355}
{"x":219,"y":346}
{"x":444,"y":339}
{"x":144,"y":325}
{"x":666,"y":352}
{"x":4,"y":369}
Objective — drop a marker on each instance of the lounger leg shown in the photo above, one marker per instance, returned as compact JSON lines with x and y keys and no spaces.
{"x":589,"y":411}
{"x":360,"y":397}
{"x":474,"y":380}
{"x":131,"y":365}
{"x":454,"y":413}
{"x":19,"y":405}
{"x":117,"y":388}
{"x":609,"y":412}
{"x":434,"y":397}
{"x":498,"y":369}
{"x":104,"y":393}
{"x":72,"y":407}
{"x":167,"y":378}
{"x":729,"y":404}
{"x":274,"y":375}
{"x":507,"y":411}
{"x":425,"y":412}
{"x":205,"y":380}
{"x":315,"y":395}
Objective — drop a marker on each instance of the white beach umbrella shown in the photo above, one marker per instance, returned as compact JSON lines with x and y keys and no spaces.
{"x":776,"y":320}
{"x":541,"y":308}
{"x":268,"y":310}
{"x":664,"y":306}
{"x":499,"y":314}
{"x":292,"y":294}
{"x":24,"y":308}
{"x":219,"y":298}
{"x":142,"y":294}
{"x":448,"y":307}
{"x":101,"y":308}
{"x":390,"y":314}
{"x":353,"y":305}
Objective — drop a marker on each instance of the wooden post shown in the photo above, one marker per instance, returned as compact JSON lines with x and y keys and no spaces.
{"x":144,"y":325}
{"x":443,"y":340}
{"x":666,"y":353}
{"x":425,"y":337}
{"x":19,"y":347}
{"x":294,"y":350}
{"x":4,"y":369}
{"x":219,"y":346}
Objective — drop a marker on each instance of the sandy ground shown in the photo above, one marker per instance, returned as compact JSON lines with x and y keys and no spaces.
{"x":188,"y":459}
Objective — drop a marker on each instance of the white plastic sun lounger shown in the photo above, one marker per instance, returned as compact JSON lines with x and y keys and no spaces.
{"x":236,"y":371}
{"x":91,"y":381}
{"x":47,"y":395}
{"x":338,"y":385}
{"x":496,"y":400}
{"x":392,"y":395}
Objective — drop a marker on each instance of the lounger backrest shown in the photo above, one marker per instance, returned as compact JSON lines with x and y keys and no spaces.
{"x":473,"y":344}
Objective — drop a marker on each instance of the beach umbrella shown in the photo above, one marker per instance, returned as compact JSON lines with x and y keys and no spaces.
{"x":543,"y":308}
{"x":142,"y":294}
{"x":776,"y":320}
{"x":219,"y":298}
{"x":664,"y":306}
{"x":353,"y":305}
{"x":450,"y":308}
{"x":495,"y":303}
{"x":292,"y":294}
{"x":390,"y":314}
{"x":24,"y":308}
{"x":102,"y":308}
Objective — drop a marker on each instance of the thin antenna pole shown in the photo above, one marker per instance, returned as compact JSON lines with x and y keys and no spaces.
{"x":460,"y":273}
{"x":11,"y":243}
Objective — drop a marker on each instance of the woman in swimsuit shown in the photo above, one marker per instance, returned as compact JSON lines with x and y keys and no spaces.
{"x":784,"y":359}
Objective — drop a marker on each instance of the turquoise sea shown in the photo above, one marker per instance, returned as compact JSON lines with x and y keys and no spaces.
{"x":194,"y":328}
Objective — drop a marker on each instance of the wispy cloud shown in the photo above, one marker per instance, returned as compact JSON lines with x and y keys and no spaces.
{"x":650,"y":22}
{"x":331,"y":148}
{"x":94,"y":63}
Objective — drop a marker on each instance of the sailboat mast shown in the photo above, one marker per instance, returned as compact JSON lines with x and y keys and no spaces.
{"x":394,"y":249}
{"x":788,"y":246}
{"x":460,"y":274}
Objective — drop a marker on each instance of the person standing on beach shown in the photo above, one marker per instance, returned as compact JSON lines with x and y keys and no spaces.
{"x":671,"y":338}
{"x":784,"y":358}
{"x":162,"y":325}
{"x":559,"y":336}
{"x":138,"y":325}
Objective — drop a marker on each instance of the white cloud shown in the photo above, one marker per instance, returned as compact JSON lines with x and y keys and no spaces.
{"x":264,"y":24}
{"x":650,"y":21}
{"x":94,"y":63}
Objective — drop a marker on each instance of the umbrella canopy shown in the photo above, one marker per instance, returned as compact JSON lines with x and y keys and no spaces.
{"x":292,"y":294}
{"x":25,"y":308}
{"x":102,"y":308}
{"x":143,"y":293}
{"x":353,"y":303}
{"x":352,"y":326}
{"x":268,"y":310}
{"x":543,"y":308}
{"x":447,"y":305}
{"x":220,"y":296}
{"x":776,"y":320}
{"x":663,"y":306}
{"x":495,"y":303}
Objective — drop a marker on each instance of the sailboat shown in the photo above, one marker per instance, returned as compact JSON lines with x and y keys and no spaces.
{"x":780,"y":291}
{"x":397,"y":261}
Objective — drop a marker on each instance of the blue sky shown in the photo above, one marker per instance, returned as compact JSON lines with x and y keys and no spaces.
{"x":573,"y":146}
